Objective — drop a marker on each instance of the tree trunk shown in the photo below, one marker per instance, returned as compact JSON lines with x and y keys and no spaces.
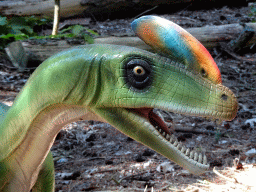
{"x":76,"y":7}
{"x":209,"y":36}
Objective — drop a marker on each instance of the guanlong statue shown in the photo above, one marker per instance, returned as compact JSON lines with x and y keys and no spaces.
{"x":116,"y":84}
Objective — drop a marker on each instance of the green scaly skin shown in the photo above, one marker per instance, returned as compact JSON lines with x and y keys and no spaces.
{"x":89,"y":83}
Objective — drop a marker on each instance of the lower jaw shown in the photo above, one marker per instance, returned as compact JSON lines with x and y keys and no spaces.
{"x":191,"y":160}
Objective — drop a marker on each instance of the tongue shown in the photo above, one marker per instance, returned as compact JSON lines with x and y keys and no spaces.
{"x":154,"y":119}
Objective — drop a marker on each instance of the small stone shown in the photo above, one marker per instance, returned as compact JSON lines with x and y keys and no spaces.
{"x":72,"y":176}
{"x":69,"y":176}
{"x":184,"y":172}
{"x":251,"y":122}
{"x":251,"y":152}
{"x":147,"y":164}
{"x":62,"y":160}
{"x":223,"y":142}
{"x":165,"y":167}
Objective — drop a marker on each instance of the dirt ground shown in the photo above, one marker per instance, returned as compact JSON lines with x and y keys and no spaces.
{"x":94,"y":156}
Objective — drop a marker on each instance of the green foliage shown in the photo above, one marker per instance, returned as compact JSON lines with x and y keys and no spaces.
{"x":20,"y":28}
{"x":252,"y":13}
{"x":74,"y":31}
{"x":80,"y":32}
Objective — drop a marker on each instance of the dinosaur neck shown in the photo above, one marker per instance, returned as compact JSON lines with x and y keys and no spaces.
{"x":61,"y":79}
{"x":52,"y":97}
{"x":40,"y":137}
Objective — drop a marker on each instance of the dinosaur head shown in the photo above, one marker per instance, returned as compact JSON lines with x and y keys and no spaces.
{"x":122,"y":85}
{"x":136,"y":82}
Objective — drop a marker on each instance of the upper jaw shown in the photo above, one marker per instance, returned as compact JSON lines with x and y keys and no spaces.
{"x":193,"y":161}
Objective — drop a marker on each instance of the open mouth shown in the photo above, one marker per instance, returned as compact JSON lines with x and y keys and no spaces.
{"x":193,"y":157}
{"x":153,"y":118}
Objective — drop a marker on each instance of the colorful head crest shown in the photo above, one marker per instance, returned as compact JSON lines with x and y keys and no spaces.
{"x":170,"y":40}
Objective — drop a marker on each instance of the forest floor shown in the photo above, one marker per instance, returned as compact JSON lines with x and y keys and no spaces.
{"x":94,"y":156}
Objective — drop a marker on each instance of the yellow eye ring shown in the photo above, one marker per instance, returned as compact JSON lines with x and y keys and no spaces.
{"x":138,"y":70}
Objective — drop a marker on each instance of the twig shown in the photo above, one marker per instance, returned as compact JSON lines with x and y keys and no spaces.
{"x":165,"y":187}
{"x":15,"y":68}
{"x":127,"y":177}
{"x":196,"y":131}
{"x":240,"y":42}
{"x":228,"y":51}
{"x":224,"y":177}
{"x":146,"y":188}
{"x":79,"y":160}
{"x":56,"y":17}
{"x":145,"y":12}
{"x":181,"y":11}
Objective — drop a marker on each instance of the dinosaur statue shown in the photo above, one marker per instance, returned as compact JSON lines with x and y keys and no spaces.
{"x":115,"y":84}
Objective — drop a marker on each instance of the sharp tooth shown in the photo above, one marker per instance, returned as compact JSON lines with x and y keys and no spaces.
{"x":191,"y":155}
{"x":188,"y":152}
{"x":183,"y":149}
{"x":164,"y":134}
{"x":205,"y":160}
{"x":172,"y":139}
{"x":167,"y":136}
{"x":200,"y":158}
{"x":179,"y":147}
{"x":195,"y":156}
{"x":175,"y":143}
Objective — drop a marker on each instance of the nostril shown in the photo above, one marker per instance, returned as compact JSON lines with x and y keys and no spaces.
{"x":224,"y":97}
{"x":203,"y":72}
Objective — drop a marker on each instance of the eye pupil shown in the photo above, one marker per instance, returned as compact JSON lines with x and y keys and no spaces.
{"x":138,"y":70}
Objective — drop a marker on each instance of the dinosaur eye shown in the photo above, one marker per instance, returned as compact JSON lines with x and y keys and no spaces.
{"x":138,"y":73}
{"x":138,"y":70}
